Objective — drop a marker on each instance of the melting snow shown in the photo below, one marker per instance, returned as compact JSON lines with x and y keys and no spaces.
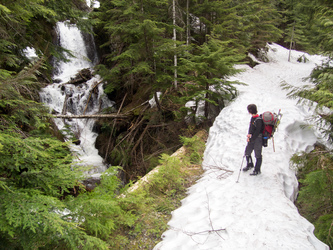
{"x":257,"y":212}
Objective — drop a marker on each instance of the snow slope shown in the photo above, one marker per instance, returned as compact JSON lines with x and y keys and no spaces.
{"x":257,"y":212}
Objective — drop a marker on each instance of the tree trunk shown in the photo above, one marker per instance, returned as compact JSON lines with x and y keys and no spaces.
{"x":174,"y":38}
{"x":291,"y":41}
{"x":187,"y":22}
{"x":206,"y":103}
{"x":157,"y":101}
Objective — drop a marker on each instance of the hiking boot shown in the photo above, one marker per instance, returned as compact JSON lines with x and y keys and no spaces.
{"x":248,"y":167}
{"x":255,"y":172}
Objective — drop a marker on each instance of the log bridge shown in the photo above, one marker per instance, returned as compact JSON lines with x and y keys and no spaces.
{"x":92,"y":116}
{"x":114,"y":115}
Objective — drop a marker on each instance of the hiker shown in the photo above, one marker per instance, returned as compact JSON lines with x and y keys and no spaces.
{"x":254,"y":139}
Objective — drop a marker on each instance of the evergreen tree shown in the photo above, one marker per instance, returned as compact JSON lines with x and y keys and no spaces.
{"x":205,"y":74}
{"x":296,"y":17}
{"x":36,"y":169}
{"x":310,"y":21}
{"x":28,"y":24}
{"x":260,"y":21}
{"x":245,"y":25}
{"x":318,"y":33}
{"x":38,"y":180}
{"x":140,"y":52}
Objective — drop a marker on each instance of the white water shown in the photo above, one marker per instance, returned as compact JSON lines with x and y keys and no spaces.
{"x":93,"y":3}
{"x":71,"y":38}
{"x":54,"y":96}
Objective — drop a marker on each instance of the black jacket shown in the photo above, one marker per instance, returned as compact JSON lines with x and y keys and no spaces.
{"x":256,"y":127}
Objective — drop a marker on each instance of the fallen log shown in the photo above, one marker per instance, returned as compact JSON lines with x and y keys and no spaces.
{"x":92,"y":116}
{"x":180,"y":153}
{"x":114,"y":115}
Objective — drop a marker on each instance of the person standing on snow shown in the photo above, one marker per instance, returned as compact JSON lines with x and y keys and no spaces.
{"x":254,"y":139}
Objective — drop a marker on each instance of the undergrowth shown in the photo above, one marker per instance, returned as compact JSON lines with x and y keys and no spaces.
{"x":315,"y":175}
{"x":154,"y":201}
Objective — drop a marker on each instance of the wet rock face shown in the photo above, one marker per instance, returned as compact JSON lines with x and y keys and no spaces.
{"x":81,"y":77}
{"x":91,"y":183}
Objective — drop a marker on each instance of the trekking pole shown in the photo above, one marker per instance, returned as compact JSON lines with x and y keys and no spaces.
{"x":277,"y":122}
{"x":240,"y":169}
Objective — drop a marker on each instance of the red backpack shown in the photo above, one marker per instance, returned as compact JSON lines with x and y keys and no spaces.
{"x":271,"y":121}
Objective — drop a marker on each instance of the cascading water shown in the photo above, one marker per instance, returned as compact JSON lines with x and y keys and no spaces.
{"x":69,"y":97}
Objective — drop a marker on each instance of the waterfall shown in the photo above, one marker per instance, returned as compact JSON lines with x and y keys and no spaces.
{"x":67,"y":96}
{"x":93,"y":3}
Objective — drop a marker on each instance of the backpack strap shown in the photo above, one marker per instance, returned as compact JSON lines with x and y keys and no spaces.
{"x":263,"y":124}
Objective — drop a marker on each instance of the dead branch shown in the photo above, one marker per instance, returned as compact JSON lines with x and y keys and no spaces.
{"x":129,"y":133}
{"x":210,"y":219}
{"x":139,"y":106}
{"x":140,"y":139}
{"x":212,"y":230}
{"x":91,"y":91}
{"x":135,"y":127}
{"x":160,"y":125}
{"x":217,"y":169}
{"x":114,"y":123}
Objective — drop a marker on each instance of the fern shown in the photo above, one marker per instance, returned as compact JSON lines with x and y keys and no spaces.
{"x":195,"y":146}
{"x":100,"y":212}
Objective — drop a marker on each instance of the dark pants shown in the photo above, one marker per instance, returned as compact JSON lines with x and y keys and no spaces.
{"x":257,"y":147}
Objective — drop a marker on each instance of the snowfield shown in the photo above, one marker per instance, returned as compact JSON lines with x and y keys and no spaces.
{"x":258,"y":211}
